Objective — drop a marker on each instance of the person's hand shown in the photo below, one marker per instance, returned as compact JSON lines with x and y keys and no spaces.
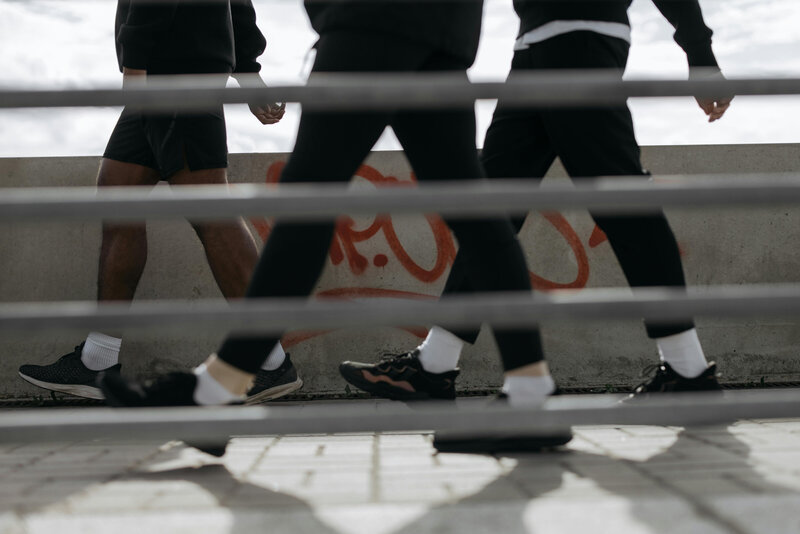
{"x":133,"y":76}
{"x":269,"y":114}
{"x":714,"y":107}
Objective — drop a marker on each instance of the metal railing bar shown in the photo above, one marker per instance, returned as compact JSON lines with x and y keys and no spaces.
{"x":219,"y":423}
{"x":462,"y":198}
{"x":502,"y":310}
{"x":343,"y":92}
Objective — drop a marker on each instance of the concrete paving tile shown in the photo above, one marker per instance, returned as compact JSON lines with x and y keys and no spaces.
{"x":611,"y":474}
{"x":615,"y":515}
{"x":788,"y":425}
{"x":294,"y":449}
{"x":10,"y":523}
{"x":710,"y":454}
{"x":468,"y":461}
{"x":337,"y":481}
{"x":580,"y":444}
{"x":571,"y":485}
{"x":604,"y":434}
{"x":407,"y":460}
{"x":536,"y":472}
{"x":769,"y":482}
{"x":317,"y":463}
{"x":379,"y":518}
{"x":710,"y":485}
{"x":319,"y":497}
{"x":266,"y":505}
{"x":785,"y":460}
{"x":76,"y":471}
{"x":83,"y":504}
{"x":216,"y":521}
{"x":404,"y":442}
{"x":650,"y":431}
{"x":416,"y":493}
{"x":347,"y":448}
{"x":685,"y":465}
{"x":177,"y":501}
{"x":58,"y":487}
{"x":758,"y":514}
{"x":41,"y":508}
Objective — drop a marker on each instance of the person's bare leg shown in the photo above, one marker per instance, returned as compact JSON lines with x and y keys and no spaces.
{"x":229,"y":246}
{"x":123,"y":252}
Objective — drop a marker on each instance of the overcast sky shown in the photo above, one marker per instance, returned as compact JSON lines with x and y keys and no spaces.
{"x":69,"y":43}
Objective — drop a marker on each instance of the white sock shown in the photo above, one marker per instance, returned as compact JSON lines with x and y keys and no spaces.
{"x":440,"y":351}
{"x":683,"y":353}
{"x":100,"y":351}
{"x":275,"y":358}
{"x":209,"y":391}
{"x":528,"y":391}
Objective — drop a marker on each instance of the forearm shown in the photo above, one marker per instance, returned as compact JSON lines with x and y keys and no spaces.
{"x":691,"y":32}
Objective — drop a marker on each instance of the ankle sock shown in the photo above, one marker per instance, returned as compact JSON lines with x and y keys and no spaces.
{"x":683,"y":353}
{"x":100,"y":351}
{"x":275,"y":359}
{"x":528,"y":391}
{"x":440,"y":351}
{"x":209,"y":392}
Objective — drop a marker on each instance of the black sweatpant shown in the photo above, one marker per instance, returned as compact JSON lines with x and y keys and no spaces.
{"x":440,"y":145}
{"x":523,"y":143}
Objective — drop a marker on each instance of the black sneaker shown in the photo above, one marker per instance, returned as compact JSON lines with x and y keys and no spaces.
{"x":400,"y":377}
{"x":66,"y":375}
{"x":173,"y":389}
{"x":666,"y":380}
{"x":269,"y":385}
{"x":466,"y":442}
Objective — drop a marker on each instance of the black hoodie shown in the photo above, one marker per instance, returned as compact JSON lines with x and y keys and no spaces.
{"x":451,"y":26}
{"x":691,"y":32}
{"x":182,"y":37}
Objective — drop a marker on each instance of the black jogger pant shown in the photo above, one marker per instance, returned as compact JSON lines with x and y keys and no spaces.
{"x":330,"y":146}
{"x":523,"y":143}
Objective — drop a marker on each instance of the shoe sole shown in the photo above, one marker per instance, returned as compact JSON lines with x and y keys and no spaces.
{"x":274,"y":393}
{"x":214,"y":449}
{"x":491,"y":445}
{"x":383,"y":389}
{"x":87,"y":392}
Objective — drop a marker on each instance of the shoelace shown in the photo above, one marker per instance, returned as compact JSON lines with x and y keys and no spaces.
{"x":650,"y":378}
{"x":72,"y":355}
{"x":399,"y":357}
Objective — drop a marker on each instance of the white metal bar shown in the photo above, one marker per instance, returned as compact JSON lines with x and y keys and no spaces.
{"x":215,"y":424}
{"x":509,"y":310}
{"x":320,"y":201}
{"x":342,"y":92}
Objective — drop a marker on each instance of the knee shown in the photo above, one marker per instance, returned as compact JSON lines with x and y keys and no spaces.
{"x":205,"y":230}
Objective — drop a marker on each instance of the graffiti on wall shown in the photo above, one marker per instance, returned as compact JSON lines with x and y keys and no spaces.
{"x":345,"y":250}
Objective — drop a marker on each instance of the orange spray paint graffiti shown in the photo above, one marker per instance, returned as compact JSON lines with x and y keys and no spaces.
{"x":344,"y":250}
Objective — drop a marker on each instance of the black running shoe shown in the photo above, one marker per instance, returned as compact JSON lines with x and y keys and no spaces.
{"x":400,"y":377}
{"x":66,"y":375}
{"x":173,"y":389}
{"x":666,"y":380}
{"x":472,"y":443}
{"x":270,"y":385}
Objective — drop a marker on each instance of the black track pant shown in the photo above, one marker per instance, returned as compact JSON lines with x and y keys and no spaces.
{"x":523,"y":143}
{"x":440,"y":145}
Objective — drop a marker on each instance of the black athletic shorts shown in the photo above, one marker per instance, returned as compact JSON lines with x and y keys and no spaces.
{"x":168,"y":142}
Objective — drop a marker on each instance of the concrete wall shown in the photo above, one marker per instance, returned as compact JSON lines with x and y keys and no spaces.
{"x":56,"y":261}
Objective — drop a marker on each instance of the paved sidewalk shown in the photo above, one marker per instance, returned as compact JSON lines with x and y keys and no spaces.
{"x":742,"y":478}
